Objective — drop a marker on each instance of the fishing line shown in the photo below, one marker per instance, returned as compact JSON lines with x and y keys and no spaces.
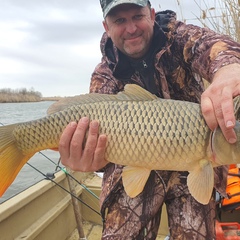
{"x":49,"y":178}
{"x":68,"y":174}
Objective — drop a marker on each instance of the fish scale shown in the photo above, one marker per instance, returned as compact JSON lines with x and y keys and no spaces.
{"x":155,"y":135}
{"x":144,"y":133}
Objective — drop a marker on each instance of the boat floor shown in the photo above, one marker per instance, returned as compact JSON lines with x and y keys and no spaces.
{"x":93,"y":229}
{"x":93,"y":232}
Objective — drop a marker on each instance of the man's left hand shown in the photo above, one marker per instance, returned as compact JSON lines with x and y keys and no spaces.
{"x":217,"y":100}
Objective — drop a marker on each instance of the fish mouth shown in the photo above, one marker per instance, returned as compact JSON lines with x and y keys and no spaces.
{"x":212,"y":148}
{"x":214,"y":158}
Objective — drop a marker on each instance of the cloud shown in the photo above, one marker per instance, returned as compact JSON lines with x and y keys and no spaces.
{"x":53,"y":46}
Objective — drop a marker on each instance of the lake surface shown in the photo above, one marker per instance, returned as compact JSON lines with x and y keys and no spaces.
{"x":22,"y":112}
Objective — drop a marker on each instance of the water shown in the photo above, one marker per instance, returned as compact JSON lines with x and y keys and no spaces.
{"x":21,"y":112}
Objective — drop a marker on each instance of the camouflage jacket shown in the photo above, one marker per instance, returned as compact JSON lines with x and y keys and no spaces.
{"x":182,"y":56}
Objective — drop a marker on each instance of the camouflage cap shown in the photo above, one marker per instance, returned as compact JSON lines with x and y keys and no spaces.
{"x":108,"y":5}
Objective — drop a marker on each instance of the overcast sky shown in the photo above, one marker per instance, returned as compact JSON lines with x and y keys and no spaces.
{"x":53,"y":45}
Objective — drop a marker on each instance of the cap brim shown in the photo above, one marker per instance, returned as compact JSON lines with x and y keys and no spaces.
{"x":113,"y":4}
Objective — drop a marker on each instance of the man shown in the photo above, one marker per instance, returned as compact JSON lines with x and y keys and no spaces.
{"x":169,"y":59}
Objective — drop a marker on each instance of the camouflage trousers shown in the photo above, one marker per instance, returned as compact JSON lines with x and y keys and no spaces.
{"x":139,"y":218}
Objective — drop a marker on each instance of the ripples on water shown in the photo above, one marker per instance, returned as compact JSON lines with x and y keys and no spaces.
{"x":22,"y":112}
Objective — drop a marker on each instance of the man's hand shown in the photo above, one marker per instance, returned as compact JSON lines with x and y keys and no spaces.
{"x":217,"y":100}
{"x":88,"y":158}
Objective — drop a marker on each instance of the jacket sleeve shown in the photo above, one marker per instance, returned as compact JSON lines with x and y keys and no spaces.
{"x":205,"y":50}
{"x":103,"y":81}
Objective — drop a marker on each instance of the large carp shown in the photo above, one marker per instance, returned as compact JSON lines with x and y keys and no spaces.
{"x":144,"y":133}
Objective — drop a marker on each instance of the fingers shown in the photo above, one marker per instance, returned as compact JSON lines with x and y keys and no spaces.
{"x":99,"y":159}
{"x":208,"y":112}
{"x":94,"y":151}
{"x":224,"y":87}
{"x":65,"y":140}
{"x":91,"y":141}
{"x":80,"y":156}
{"x":228,"y":111}
{"x":76,"y":145}
{"x":217,"y":109}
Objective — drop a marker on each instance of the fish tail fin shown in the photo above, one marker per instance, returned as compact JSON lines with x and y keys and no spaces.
{"x":11,"y":157}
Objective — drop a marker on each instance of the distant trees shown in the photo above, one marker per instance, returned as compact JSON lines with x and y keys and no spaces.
{"x":19,"y":95}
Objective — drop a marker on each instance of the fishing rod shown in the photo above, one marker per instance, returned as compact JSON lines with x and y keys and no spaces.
{"x":71,"y":176}
{"x":47,"y":176}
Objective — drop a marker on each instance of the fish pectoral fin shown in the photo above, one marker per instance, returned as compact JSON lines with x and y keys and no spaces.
{"x":134,"y":180}
{"x":201,"y":182}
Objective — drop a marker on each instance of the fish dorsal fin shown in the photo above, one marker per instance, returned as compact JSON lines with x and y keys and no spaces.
{"x":200,"y":181}
{"x":132,"y":92}
{"x":135,"y":92}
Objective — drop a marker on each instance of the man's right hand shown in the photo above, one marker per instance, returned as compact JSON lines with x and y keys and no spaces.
{"x":75,"y":155}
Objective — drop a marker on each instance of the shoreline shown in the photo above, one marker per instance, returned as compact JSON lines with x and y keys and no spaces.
{"x":25,"y":101}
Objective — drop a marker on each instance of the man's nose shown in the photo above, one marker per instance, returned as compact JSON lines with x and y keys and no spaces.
{"x":131,"y":27}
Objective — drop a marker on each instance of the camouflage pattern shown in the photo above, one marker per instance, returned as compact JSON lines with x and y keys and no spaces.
{"x":108,"y":5}
{"x":139,"y":218}
{"x":188,"y":54}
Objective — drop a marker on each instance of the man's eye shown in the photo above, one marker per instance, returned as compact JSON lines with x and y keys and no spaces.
{"x":138,"y":17}
{"x":119,"y":21}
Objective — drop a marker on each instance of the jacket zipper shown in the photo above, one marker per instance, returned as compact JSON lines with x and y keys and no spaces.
{"x":144,"y":64}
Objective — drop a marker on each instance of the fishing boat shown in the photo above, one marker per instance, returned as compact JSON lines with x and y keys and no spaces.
{"x":47,"y":210}
{"x":65,"y":206}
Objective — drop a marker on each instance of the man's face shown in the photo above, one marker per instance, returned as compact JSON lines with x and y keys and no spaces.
{"x":131,"y":28}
